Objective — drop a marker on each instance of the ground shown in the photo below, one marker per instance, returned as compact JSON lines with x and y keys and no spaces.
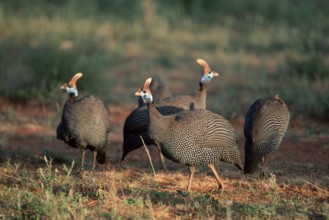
{"x":300,"y":166}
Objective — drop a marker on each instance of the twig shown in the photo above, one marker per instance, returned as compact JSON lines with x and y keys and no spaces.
{"x":148,"y":154}
{"x":324,"y":190}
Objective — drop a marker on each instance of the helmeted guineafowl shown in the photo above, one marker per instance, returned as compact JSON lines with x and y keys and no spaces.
{"x":265,"y":125}
{"x":136,"y":123}
{"x":192,"y":137}
{"x":159,"y":91}
{"x":85,"y":123}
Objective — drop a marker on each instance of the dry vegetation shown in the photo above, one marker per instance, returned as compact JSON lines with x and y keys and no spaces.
{"x":260,"y":48}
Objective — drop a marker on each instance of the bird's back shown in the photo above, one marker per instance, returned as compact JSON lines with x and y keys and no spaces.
{"x":183,"y":102}
{"x":199,"y":137}
{"x":265,"y":125}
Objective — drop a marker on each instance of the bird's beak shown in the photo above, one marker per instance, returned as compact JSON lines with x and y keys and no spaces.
{"x":63,"y":87}
{"x":138,"y":93}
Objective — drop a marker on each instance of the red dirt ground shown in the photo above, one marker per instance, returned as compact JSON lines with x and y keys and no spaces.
{"x":29,"y":129}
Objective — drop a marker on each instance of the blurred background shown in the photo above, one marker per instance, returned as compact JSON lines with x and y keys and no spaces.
{"x":260,"y":48}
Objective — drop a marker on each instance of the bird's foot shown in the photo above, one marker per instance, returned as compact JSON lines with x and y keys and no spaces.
{"x":82,"y":171}
{"x":220,"y":189}
{"x":183,"y":193}
{"x":263,"y":175}
{"x":164,"y":169}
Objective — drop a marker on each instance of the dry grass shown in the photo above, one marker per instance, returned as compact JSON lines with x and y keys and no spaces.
{"x":122,"y":191}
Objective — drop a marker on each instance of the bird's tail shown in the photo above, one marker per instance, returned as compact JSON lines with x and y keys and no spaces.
{"x":239,"y":166}
{"x":101,"y":157}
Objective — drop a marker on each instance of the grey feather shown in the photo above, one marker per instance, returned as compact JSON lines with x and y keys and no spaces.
{"x":265,"y":125}
{"x":85,"y":125}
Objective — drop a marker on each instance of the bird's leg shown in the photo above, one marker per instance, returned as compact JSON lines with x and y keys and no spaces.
{"x":161,"y":157}
{"x":148,"y":154}
{"x":263,"y":160}
{"x":262,"y":174}
{"x":219,"y":181}
{"x":94,"y":161}
{"x":82,"y":158}
{"x":192,"y":170}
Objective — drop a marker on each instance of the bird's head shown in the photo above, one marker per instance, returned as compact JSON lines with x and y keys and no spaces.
{"x":145,"y":92}
{"x":71,"y":87}
{"x":207,"y":74}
